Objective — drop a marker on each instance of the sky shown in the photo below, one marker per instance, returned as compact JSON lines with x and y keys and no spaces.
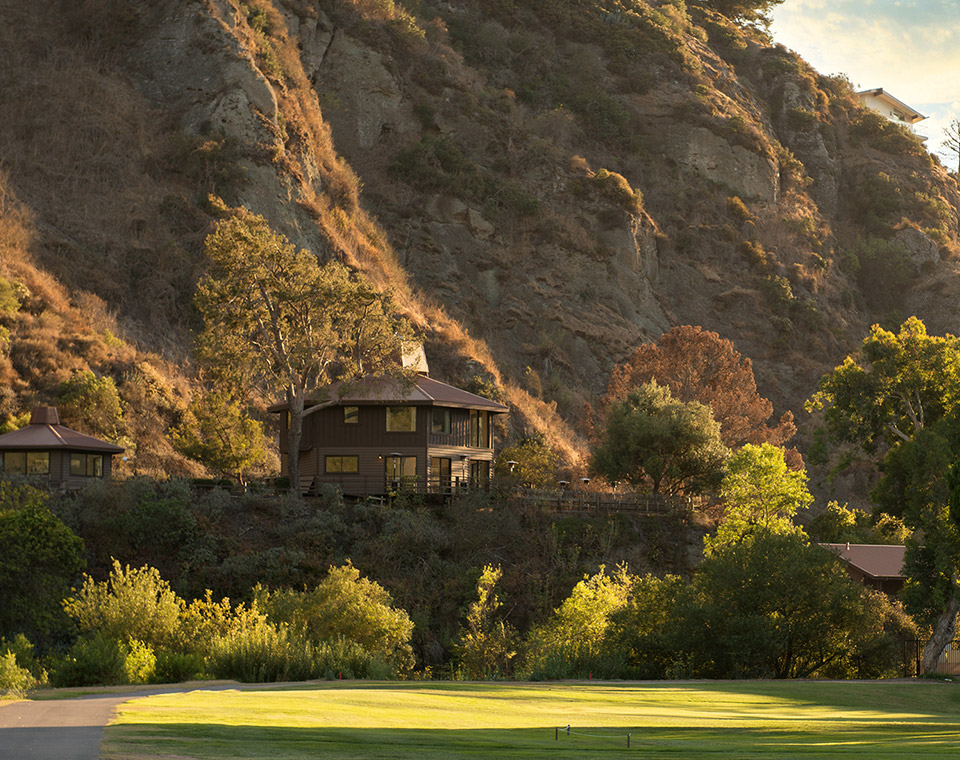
{"x":910,"y":48}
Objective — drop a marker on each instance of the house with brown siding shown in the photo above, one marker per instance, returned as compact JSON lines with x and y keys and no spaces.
{"x":47,"y":449}
{"x":378,"y":437}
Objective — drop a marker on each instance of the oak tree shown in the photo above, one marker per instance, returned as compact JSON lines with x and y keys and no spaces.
{"x":277,"y":319}
{"x":655,"y":441}
{"x":699,"y":365}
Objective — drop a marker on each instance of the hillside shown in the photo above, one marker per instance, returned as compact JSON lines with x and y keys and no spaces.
{"x":544,"y":184}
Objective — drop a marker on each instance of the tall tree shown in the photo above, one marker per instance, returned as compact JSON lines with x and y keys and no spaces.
{"x":899,"y":399}
{"x":699,"y":365}
{"x":657,"y":442}
{"x":760,"y":494}
{"x":276,"y":319}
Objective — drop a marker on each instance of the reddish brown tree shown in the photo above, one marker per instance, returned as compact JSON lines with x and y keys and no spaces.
{"x":699,"y":365}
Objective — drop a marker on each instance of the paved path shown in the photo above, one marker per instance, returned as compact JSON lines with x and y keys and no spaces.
{"x":71,"y":729}
{"x":56,"y":729}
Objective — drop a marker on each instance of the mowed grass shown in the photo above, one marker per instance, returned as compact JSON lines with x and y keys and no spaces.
{"x":425,"y":720}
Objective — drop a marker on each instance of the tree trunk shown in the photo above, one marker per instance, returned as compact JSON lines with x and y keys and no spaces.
{"x":294,"y":434}
{"x":943,"y":632}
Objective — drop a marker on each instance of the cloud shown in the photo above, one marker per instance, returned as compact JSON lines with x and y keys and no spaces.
{"x":911,"y":48}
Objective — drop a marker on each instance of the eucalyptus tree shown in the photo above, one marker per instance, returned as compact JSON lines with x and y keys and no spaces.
{"x":277,"y":320}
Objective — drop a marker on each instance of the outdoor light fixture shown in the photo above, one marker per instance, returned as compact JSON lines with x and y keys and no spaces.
{"x":512,"y":465}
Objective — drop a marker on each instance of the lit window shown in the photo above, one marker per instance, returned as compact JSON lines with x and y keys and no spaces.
{"x":401,"y":419}
{"x":440,"y":421}
{"x":342,"y":464}
{"x":351,"y":415}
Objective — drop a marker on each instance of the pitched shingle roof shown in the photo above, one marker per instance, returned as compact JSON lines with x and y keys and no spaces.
{"x":45,"y":433}
{"x":424,"y":391}
{"x":873,"y":560}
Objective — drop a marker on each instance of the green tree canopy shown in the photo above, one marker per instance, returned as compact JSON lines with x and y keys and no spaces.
{"x":39,"y":558}
{"x":92,"y":405}
{"x":276,"y":319}
{"x":220,"y":433}
{"x":896,"y":385}
{"x":899,"y":398}
{"x":571,"y":643}
{"x":536,"y":462}
{"x":760,"y":493}
{"x":776,"y":606}
{"x":654,"y":441}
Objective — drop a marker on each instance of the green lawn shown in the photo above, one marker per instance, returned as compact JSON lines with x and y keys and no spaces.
{"x":425,"y":720}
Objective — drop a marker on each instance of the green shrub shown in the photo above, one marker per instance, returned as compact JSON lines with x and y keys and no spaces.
{"x":176,"y":667}
{"x":14,"y":680}
{"x":91,"y":661}
{"x":256,"y":651}
{"x":139,"y":662}
{"x":802,"y":119}
{"x":344,"y":606}
{"x":132,"y":604}
{"x":738,"y":209}
{"x":885,"y":271}
{"x":881,"y":133}
{"x":572,"y":643}
{"x":614,"y":187}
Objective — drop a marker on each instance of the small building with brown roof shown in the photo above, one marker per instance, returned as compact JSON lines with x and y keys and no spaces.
{"x":45,"y":448}
{"x":876,"y":566}
{"x":376,"y":437}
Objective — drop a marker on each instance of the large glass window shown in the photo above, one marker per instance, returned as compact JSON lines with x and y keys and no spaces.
{"x":38,"y":462}
{"x":440,"y":471}
{"x":342,"y":464}
{"x":440,"y":420}
{"x":86,"y":465}
{"x":15,"y":462}
{"x":401,"y":419}
{"x":351,"y":415}
{"x":479,"y":430}
{"x":479,"y":473}
{"x":400,"y":468}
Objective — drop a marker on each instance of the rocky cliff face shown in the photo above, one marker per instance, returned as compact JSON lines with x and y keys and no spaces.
{"x":544,"y":184}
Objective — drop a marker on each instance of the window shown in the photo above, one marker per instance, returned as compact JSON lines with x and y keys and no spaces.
{"x":479,"y":430}
{"x":401,"y":419}
{"x":86,"y":465}
{"x":479,"y":473}
{"x":351,"y":415}
{"x":440,"y":472}
{"x":440,"y":420}
{"x":400,"y":468}
{"x":342,"y":464}
{"x":38,"y":462}
{"x":15,"y":462}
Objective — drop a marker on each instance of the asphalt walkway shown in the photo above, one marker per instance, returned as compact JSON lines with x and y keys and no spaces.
{"x":72,"y":729}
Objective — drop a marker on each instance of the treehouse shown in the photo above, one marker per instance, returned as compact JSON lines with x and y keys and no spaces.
{"x":378,"y":437}
{"x":48,"y":450}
